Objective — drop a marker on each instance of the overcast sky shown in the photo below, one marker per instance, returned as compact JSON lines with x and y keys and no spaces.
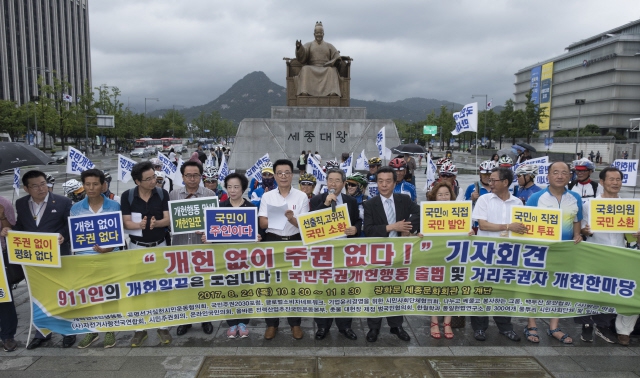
{"x":190,"y":52}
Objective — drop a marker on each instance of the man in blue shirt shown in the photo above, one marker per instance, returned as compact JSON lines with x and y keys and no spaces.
{"x":557,"y":196}
{"x":526,"y":175}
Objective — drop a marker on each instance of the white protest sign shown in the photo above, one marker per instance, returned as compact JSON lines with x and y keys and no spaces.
{"x":629,"y":168}
{"x":466,"y":119}
{"x":77,"y":162}
{"x":124,"y":168}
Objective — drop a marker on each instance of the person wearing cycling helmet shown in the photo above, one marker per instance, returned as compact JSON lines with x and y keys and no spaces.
{"x":582,"y":184}
{"x":447,"y":173}
{"x":160,"y":179}
{"x":526,"y":175}
{"x":73,"y":190}
{"x":356,"y":185}
{"x":268,"y":183}
{"x":168,"y":182}
{"x":505,"y":162}
{"x":51,"y":181}
{"x":306,"y":183}
{"x":106,"y":188}
{"x":210,"y":180}
{"x":482,"y":186}
{"x":374,"y":164}
{"x":331,"y":164}
{"x":403,"y":187}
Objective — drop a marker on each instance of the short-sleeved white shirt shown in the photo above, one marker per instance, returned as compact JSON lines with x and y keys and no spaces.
{"x":491,"y":208}
{"x":296,"y":200}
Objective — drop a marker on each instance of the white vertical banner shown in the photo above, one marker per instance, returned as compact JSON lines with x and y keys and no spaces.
{"x":347,"y":166}
{"x":177,"y":178}
{"x":77,"y":162}
{"x":256,"y":170}
{"x":466,"y":119}
{"x":314,"y":168}
{"x":168,"y":168}
{"x":381,"y":143}
{"x":124,"y":168}
{"x":361,"y":162}
{"x":629,"y":168}
{"x":16,"y":180}
{"x":224,"y":169}
{"x":431,"y":173}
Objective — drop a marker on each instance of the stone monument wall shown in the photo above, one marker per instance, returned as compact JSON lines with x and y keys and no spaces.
{"x":328,"y":130}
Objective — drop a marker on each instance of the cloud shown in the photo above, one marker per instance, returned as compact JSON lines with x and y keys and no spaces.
{"x":189,"y":52}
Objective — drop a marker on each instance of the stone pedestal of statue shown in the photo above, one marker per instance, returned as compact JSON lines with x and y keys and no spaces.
{"x":290,"y":130}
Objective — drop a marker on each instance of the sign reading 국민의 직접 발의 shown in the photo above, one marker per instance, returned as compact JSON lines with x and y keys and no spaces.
{"x":323,"y":225}
{"x":31,"y":248}
{"x":445,"y":217}
{"x":231,"y":224}
{"x":104,"y":229}
{"x":614,"y":215}
{"x":542,"y":224}
{"x":187,"y":215}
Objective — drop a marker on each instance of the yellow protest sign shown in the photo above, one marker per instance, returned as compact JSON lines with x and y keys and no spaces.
{"x":34,"y":248}
{"x":5,"y":293}
{"x":542,"y":224}
{"x":322,"y":225}
{"x":445,"y":217}
{"x":614,"y":215}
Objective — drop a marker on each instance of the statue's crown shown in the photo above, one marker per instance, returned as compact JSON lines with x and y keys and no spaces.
{"x":319,"y":24}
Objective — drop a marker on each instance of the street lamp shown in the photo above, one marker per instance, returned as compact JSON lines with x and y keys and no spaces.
{"x":486,"y":99}
{"x":35,"y":136}
{"x":145,"y":110}
{"x":579,"y":102}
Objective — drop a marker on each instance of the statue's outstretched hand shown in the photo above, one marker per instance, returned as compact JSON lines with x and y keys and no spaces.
{"x":298,"y":44}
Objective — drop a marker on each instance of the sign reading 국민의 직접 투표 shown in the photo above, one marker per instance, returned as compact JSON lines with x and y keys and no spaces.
{"x":187,"y":215}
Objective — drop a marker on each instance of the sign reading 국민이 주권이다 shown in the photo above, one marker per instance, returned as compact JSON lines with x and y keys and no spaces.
{"x":187,"y":215}
{"x":445,"y":217}
{"x":31,"y":248}
{"x":322,"y":225}
{"x":231,"y":224}
{"x":103,"y":229}
{"x":542,"y":224}
{"x":614,"y":215}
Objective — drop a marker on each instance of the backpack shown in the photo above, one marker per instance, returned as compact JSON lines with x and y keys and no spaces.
{"x":158,"y":190}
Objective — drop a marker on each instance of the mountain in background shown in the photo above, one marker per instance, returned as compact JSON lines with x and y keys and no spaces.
{"x":255,"y":94}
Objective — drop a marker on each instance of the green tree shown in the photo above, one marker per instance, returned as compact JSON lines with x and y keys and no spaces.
{"x":10,"y":119}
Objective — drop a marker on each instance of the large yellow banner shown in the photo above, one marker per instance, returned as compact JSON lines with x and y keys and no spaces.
{"x":546,"y":84}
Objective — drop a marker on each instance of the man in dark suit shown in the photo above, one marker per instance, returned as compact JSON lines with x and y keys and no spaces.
{"x":334,"y":197}
{"x":389,"y":215}
{"x":42,"y":211}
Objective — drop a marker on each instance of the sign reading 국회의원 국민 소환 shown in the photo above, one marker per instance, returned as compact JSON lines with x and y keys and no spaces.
{"x":614,"y":215}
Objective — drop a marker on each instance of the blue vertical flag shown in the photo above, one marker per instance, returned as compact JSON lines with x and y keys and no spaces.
{"x":16,"y":180}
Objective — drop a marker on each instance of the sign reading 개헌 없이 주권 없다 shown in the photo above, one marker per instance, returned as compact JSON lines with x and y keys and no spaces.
{"x":187,"y":215}
{"x":542,"y":224}
{"x":614,"y":215}
{"x":34,"y":248}
{"x":231,"y":224}
{"x":103,"y":229}
{"x":322,"y":225}
{"x":445,"y":217}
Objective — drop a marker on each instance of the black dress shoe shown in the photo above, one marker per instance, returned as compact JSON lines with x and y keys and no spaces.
{"x":68,"y":341}
{"x":37,"y":342}
{"x":183,"y":329}
{"x":480,"y":335}
{"x":511,"y":335}
{"x":207,"y":328}
{"x":372,"y":335}
{"x":401,"y":333}
{"x":321,"y":333}
{"x":349,"y":334}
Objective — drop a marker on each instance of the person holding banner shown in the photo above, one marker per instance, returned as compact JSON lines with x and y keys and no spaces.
{"x":335,"y":183}
{"x":42,"y":211}
{"x":271,"y":205}
{"x":493,"y":212}
{"x":268,"y":183}
{"x":474,"y":191}
{"x":557,"y":196}
{"x":149,"y":206}
{"x":611,"y":182}
{"x":191,"y":173}
{"x":94,"y":203}
{"x":400,"y":166}
{"x":389,"y":215}
{"x":8,"y":315}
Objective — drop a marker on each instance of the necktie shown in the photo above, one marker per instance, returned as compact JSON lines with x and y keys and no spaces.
{"x":391,"y":214}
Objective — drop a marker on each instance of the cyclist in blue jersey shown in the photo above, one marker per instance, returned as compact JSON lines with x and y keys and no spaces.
{"x":448,"y":173}
{"x":526,"y":175}
{"x":403,"y":187}
{"x":374,"y":164}
{"x":480,"y":187}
